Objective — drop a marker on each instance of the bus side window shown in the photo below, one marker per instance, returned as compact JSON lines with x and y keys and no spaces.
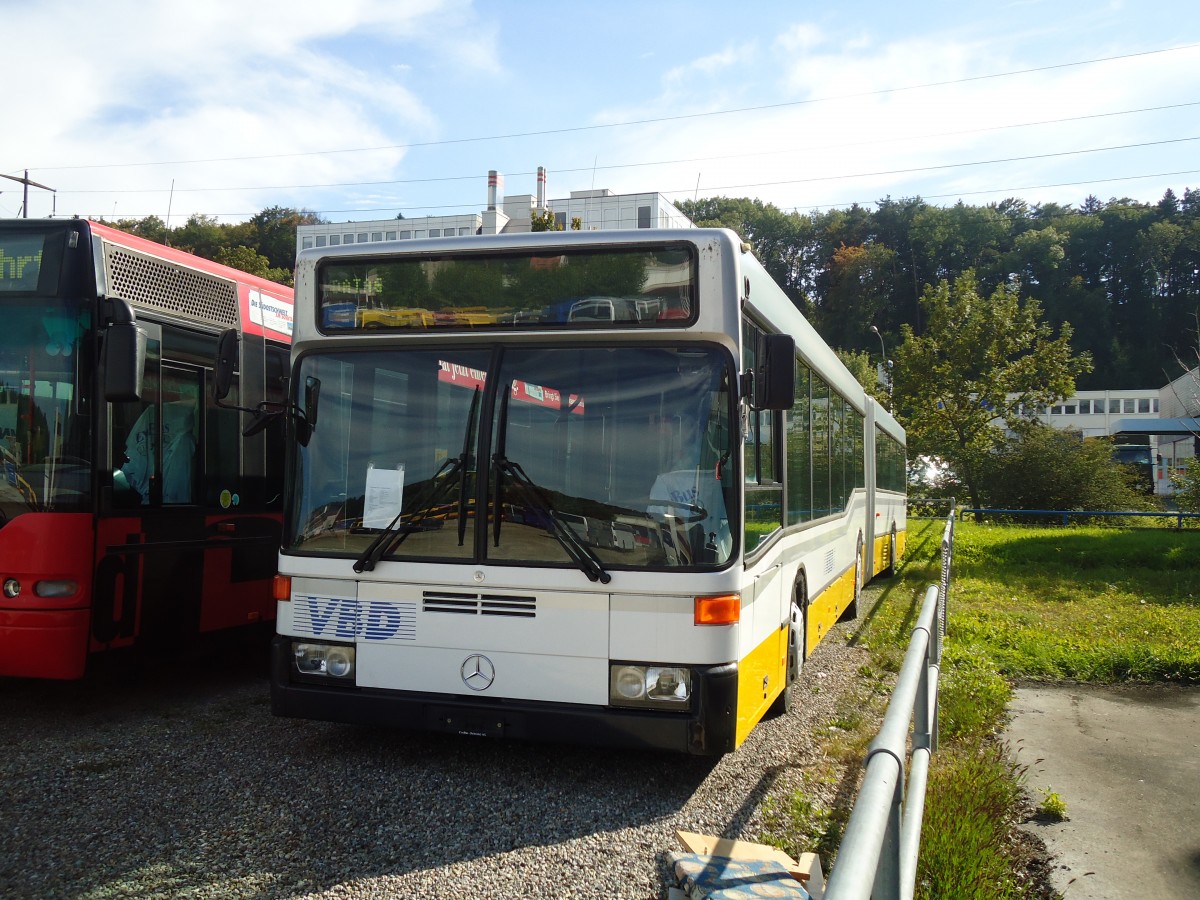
{"x":222,"y":450}
{"x":134,"y":439}
{"x":179,"y":452}
{"x":180,"y":434}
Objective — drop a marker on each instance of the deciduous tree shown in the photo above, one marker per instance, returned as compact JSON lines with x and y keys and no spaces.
{"x":981,"y":362}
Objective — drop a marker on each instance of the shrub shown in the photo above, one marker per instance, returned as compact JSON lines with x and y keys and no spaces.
{"x":1046,"y":468}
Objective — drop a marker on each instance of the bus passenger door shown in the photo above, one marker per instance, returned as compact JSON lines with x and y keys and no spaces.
{"x":150,"y":541}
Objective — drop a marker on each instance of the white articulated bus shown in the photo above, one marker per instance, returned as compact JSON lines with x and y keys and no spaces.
{"x":604,"y":487}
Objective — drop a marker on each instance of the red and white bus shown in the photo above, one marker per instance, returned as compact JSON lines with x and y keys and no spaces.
{"x":133,"y":511}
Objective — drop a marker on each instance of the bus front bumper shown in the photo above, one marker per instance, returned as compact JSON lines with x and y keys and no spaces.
{"x":708,"y":730}
{"x":44,"y":643}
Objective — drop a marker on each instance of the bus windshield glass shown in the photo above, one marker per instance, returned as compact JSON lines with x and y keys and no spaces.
{"x":574,"y":289}
{"x":44,"y":421}
{"x":595,"y":457}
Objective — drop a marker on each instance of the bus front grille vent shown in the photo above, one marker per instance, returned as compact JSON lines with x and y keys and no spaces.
{"x":479,"y":604}
{"x":150,"y":283}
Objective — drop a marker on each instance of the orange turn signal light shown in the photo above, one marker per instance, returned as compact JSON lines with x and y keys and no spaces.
{"x":281,"y":587}
{"x":725,"y":609}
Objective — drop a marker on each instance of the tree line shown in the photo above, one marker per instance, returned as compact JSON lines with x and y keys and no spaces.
{"x":264,"y":245}
{"x":992,"y":313}
{"x":1124,"y":274}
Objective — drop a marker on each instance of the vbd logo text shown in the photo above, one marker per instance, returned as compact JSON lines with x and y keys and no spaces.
{"x":374,"y":620}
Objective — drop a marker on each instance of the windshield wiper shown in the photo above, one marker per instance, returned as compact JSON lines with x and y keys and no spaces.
{"x":395,"y":533}
{"x":579,"y":552}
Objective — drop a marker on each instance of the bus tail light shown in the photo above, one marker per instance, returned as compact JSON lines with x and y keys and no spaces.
{"x":281,"y":587}
{"x":725,"y":609}
{"x":647,"y":685}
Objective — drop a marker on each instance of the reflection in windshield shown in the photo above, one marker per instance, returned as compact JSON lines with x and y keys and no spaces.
{"x":574,"y":288}
{"x":626,"y":450}
{"x":43,"y":435}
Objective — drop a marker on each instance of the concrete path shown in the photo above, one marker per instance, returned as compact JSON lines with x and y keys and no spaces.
{"x":1126,"y":760}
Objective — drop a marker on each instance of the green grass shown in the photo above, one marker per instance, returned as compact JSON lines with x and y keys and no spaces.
{"x":1087,"y":604}
{"x":1093,"y":604}
{"x":970,"y":812}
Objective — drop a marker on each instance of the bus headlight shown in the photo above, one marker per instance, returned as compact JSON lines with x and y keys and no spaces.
{"x":63,"y":588}
{"x":652,"y":686}
{"x":331,"y":660}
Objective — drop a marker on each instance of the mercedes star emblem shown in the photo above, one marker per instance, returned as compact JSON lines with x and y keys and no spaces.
{"x":478,"y":673}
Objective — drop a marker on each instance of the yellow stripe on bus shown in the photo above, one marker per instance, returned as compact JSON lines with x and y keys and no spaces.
{"x":762,"y":671}
{"x":827,"y":607}
{"x":761,"y":674}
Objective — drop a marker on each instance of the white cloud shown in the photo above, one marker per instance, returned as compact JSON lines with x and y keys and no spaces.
{"x":824,"y":118}
{"x":208,"y":81}
{"x":800,"y":37}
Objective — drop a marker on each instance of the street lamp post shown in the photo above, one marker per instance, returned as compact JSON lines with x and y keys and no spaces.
{"x":887,"y":363}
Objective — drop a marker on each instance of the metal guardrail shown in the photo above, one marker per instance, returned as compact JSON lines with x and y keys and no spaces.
{"x":878,"y":855}
{"x":1067,"y":514}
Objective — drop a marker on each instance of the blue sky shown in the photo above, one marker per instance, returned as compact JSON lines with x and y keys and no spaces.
{"x":362,"y":109}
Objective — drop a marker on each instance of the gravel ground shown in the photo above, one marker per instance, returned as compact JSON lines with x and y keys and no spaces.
{"x":167,"y":781}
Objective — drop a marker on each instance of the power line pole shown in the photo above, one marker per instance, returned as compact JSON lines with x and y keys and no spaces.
{"x":25,"y":181}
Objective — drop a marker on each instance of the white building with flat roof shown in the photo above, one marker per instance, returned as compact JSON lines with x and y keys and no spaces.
{"x":1164,"y":419}
{"x":594,"y":210}
{"x":1097,"y":413}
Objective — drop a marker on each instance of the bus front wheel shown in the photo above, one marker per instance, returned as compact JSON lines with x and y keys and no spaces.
{"x":795,"y":662}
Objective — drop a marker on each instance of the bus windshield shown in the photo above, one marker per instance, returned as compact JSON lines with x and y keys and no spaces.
{"x":598,"y":457}
{"x":44,"y":421}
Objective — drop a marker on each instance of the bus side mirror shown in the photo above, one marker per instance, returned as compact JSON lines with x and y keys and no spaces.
{"x":775,"y":372}
{"x":312,"y":399}
{"x":124,"y":355}
{"x":227,"y":363}
{"x":304,"y":420}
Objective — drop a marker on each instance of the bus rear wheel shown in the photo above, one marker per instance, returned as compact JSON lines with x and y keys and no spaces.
{"x":851,"y":612}
{"x":890,"y":569}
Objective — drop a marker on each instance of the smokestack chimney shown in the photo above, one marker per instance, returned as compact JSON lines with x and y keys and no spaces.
{"x":541,"y":187}
{"x":495,"y":187}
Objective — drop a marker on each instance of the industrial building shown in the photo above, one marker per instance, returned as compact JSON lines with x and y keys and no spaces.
{"x":591,"y":210}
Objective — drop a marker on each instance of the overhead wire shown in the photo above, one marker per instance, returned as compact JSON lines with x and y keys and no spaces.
{"x":666,"y":162}
{"x":691,"y":189}
{"x":646,"y":121}
{"x":667,"y":192}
